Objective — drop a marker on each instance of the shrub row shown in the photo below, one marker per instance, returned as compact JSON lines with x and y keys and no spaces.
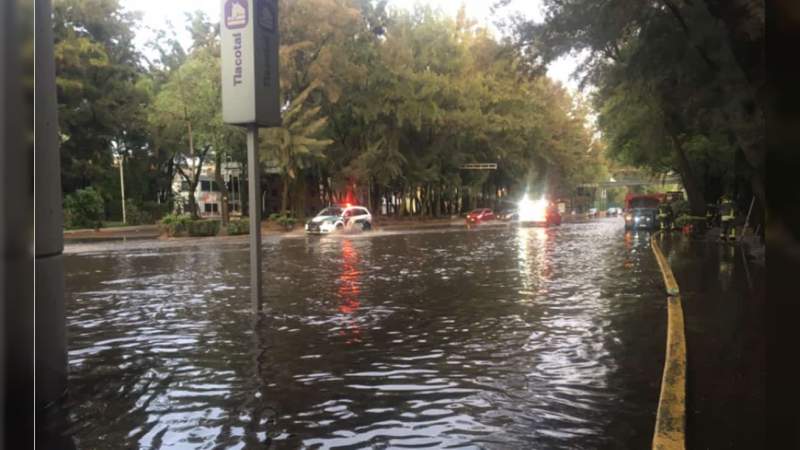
{"x":238,"y":226}
{"x":284,"y":219}
{"x":181,"y":225}
{"x":175,"y":225}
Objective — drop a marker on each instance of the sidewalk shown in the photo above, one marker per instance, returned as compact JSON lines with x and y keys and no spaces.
{"x":723,"y":293}
{"x":132,"y":232}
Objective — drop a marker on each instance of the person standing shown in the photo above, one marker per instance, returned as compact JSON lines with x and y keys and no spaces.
{"x":727,"y":213}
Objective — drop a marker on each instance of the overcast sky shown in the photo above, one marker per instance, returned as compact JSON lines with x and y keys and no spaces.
{"x":157,"y":13}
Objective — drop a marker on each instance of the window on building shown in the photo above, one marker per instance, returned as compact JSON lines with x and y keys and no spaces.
{"x":215,"y":207}
{"x":214,"y":186}
{"x":184,"y":185}
{"x":207,"y":207}
{"x":205,"y":185}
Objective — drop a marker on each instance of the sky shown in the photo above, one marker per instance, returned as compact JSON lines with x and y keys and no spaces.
{"x":158,"y":13}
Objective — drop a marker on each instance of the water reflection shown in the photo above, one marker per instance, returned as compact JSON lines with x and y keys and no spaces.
{"x":492,"y":338}
{"x":349,"y":291}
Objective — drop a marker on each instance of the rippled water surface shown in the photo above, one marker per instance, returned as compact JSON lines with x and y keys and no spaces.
{"x":483,"y":338}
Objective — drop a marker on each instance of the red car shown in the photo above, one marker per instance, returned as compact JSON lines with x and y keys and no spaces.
{"x":479,"y":215}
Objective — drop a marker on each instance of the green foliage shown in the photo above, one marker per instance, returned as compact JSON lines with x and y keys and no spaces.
{"x":176,"y":225}
{"x":101,"y":104}
{"x":238,"y":226}
{"x":204,"y":227}
{"x":284,"y":219}
{"x":154,"y":210}
{"x":680,"y":207}
{"x":181,"y":225}
{"x":135,"y":215}
{"x":384,"y":101}
{"x":84,"y":208}
{"x":676,"y":86}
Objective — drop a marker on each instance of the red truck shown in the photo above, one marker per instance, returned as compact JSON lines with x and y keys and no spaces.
{"x":641,"y":210}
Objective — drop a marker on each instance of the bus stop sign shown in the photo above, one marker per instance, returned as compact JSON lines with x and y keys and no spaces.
{"x":250,"y":83}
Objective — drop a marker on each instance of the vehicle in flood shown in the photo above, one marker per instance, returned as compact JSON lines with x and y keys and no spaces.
{"x":641,"y":211}
{"x":479,"y":215}
{"x":338,"y":218}
{"x":538,"y":213}
{"x":508,"y":214}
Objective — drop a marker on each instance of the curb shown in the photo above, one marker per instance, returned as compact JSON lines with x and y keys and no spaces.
{"x":670,"y":429}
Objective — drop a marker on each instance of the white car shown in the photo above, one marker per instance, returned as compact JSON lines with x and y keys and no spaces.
{"x":338,"y":218}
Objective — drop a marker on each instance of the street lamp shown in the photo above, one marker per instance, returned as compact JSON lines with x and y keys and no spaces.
{"x":119,"y":161}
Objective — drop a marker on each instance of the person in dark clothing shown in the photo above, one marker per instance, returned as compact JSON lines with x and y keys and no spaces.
{"x":727,"y":213}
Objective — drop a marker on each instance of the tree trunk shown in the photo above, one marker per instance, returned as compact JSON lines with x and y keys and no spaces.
{"x":192,"y":199}
{"x":223,"y":189}
{"x":693,"y":189}
{"x":285,"y":194}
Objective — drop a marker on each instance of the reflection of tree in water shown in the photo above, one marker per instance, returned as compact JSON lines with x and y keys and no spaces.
{"x":349,"y":291}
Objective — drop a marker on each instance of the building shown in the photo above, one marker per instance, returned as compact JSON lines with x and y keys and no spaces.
{"x":208,"y":195}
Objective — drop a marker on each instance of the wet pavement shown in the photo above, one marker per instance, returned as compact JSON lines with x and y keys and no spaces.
{"x":723,"y":295}
{"x":484,"y":338}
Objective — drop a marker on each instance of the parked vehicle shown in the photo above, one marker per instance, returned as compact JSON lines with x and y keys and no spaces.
{"x":592,"y":212}
{"x":338,"y":218}
{"x":613,"y":212}
{"x":508,"y":214}
{"x":479,"y":215}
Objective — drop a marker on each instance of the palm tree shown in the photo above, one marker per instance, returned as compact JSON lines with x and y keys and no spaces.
{"x":294,"y":146}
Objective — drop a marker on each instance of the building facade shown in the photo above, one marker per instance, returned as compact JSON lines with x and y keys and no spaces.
{"x":208,"y":194}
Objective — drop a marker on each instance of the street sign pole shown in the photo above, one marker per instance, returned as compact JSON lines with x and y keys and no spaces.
{"x":250,"y":98}
{"x":254,"y":181}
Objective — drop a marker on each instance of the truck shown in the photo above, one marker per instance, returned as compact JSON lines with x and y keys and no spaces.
{"x":641,"y":210}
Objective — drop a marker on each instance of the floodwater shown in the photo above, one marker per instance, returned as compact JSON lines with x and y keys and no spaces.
{"x":485,"y":338}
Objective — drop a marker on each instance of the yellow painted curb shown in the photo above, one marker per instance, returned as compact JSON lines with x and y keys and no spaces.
{"x":670,"y":429}
{"x":669,"y":279}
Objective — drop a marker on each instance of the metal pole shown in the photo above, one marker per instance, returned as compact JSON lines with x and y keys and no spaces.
{"x":122,"y":187}
{"x":254,"y":181}
{"x":747,"y":219}
{"x":51,"y":337}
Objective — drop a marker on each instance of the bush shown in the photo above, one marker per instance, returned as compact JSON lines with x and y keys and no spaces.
{"x":176,"y":224}
{"x":135,"y":215}
{"x":181,"y":225}
{"x":238,"y":226}
{"x":155,"y":210}
{"x":84,"y":208}
{"x":204,"y":227}
{"x":680,"y":207}
{"x":284,"y":219}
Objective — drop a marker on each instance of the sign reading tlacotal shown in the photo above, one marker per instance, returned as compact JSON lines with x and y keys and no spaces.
{"x":250,"y":43}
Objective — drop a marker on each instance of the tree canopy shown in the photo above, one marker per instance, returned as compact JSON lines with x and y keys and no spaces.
{"x":678,"y":84}
{"x":381,"y":105}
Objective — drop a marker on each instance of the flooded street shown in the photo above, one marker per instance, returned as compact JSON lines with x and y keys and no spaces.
{"x":483,"y":338}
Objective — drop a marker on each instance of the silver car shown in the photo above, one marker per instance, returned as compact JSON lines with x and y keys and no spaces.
{"x":338,"y":218}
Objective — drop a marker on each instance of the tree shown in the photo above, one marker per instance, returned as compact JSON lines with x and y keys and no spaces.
{"x":704,"y":77}
{"x":101,"y":101}
{"x":294,"y":145}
